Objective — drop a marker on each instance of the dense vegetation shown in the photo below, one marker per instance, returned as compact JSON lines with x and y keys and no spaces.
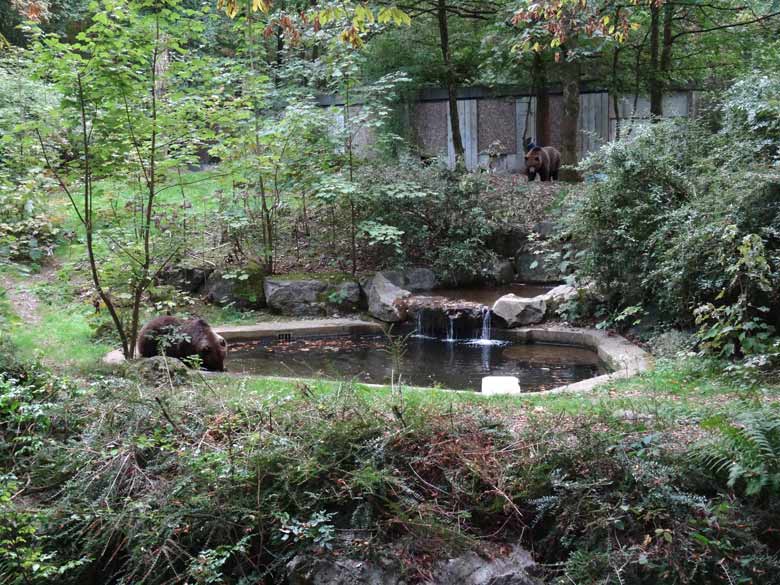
{"x":140,"y":139}
{"x":202,"y":482}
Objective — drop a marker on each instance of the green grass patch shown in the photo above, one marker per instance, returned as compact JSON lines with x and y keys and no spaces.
{"x":63,"y":338}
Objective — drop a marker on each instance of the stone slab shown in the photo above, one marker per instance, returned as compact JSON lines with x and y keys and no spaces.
{"x":494,"y":385}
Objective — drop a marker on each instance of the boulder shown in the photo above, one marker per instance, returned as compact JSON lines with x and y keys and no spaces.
{"x":419,"y":279}
{"x":471,"y":569}
{"x":545,"y":229}
{"x":558,"y":296}
{"x":300,"y":298}
{"x":243,"y":288}
{"x":158,"y":370}
{"x":308,"y":569}
{"x":504,"y":272}
{"x":383,"y":299}
{"x":506,"y":241}
{"x":219,"y":290}
{"x":186,"y":279}
{"x":395,"y":276}
{"x":518,"y":311}
{"x":346,"y":296}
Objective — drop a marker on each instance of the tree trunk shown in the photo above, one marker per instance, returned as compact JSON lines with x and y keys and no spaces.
{"x":542,"y":101}
{"x":656,"y":90}
{"x":571,"y":115}
{"x":452,"y":88}
{"x":666,"y":50}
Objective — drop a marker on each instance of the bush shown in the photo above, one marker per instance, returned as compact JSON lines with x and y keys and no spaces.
{"x":443,"y":217}
{"x":686,"y":226}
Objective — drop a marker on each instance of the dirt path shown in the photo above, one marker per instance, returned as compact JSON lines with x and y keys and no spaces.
{"x":24,"y":301}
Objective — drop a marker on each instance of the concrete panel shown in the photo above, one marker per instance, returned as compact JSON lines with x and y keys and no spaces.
{"x":497,"y":119}
{"x":467,"y":118}
{"x":430,"y":120}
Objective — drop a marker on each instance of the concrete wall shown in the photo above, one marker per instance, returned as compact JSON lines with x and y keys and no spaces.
{"x":485,"y":119}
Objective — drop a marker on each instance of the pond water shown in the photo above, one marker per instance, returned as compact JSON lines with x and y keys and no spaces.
{"x":456,"y":364}
{"x":488,"y":296}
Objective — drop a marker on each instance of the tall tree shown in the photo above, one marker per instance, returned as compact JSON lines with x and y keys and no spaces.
{"x":442,"y":11}
{"x":677,"y":22}
{"x":563,"y":26}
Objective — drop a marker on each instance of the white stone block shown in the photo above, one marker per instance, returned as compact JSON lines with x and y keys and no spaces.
{"x":496,"y":385}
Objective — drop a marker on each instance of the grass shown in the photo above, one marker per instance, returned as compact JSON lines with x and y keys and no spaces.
{"x":63,"y":338}
{"x":673,"y":391}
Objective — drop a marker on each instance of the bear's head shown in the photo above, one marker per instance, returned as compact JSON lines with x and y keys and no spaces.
{"x":534,"y":159}
{"x":212,"y":348}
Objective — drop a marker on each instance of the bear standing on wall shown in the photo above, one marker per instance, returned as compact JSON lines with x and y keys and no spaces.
{"x":182,"y":339}
{"x":544,"y":161}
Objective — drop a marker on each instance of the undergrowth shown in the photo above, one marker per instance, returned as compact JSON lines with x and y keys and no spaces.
{"x":121,"y":481}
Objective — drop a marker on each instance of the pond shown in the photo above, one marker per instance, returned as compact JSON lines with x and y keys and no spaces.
{"x":489,"y":295}
{"x":429,"y":361}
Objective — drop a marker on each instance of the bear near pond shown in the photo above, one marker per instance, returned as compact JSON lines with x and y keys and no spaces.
{"x":544,"y":161}
{"x":182,"y":339}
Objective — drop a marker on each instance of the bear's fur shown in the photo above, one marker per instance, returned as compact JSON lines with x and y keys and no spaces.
{"x":544,"y":161}
{"x":185,"y":339}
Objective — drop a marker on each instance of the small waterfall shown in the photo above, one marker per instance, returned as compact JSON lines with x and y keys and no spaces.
{"x":420,"y":332}
{"x":485,"y":338}
{"x":486,"y":325}
{"x":450,"y":329}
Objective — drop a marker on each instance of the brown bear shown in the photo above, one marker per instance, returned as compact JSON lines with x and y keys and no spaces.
{"x":544,"y":161}
{"x":183,"y":339}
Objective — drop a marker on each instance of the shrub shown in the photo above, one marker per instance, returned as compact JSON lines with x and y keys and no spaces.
{"x":686,"y":226}
{"x":443,"y":218}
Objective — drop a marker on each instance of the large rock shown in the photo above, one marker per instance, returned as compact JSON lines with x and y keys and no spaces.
{"x":519,"y":311}
{"x":313,"y":296}
{"x":395,"y":276}
{"x":384,"y":300}
{"x":242,"y":288}
{"x":187,"y":279}
{"x":504,"y":272}
{"x":307,"y":569}
{"x":506,"y":241}
{"x":300,"y":298}
{"x":419,"y":279}
{"x":159,"y":370}
{"x":471,"y":569}
{"x":559,"y":295}
{"x":346,"y":296}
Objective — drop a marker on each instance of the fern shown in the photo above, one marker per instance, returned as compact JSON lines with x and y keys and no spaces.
{"x":746,"y":451}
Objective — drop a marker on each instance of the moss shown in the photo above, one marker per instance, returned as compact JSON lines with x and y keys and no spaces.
{"x":328,"y":277}
{"x":251,"y":289}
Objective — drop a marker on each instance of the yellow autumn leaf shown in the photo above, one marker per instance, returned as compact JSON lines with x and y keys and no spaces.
{"x":262,"y":5}
{"x":395,"y":15}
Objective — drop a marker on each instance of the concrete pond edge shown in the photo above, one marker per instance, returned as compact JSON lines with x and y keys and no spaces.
{"x":624,"y":358}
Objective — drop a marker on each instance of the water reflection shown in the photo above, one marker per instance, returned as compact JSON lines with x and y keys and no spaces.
{"x":458,"y":364}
